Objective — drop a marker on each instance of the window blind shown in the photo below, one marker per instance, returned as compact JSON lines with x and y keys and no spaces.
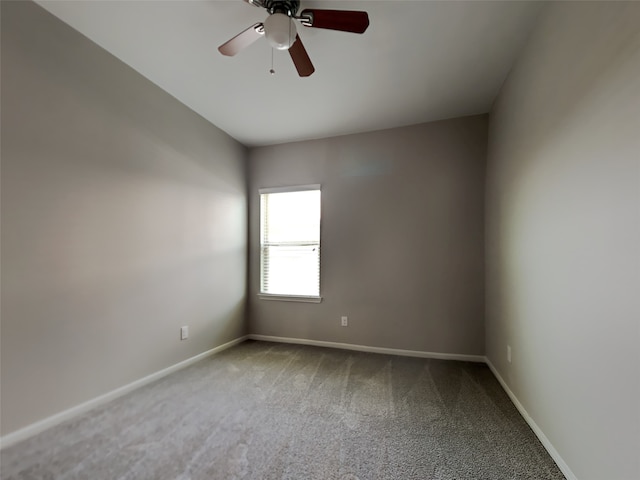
{"x":290,"y":241}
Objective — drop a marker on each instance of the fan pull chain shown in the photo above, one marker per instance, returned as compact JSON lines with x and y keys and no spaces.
{"x":272,"y":71}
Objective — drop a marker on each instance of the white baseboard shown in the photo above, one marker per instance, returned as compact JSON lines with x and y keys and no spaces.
{"x":364,"y":348}
{"x":42,"y":425}
{"x":546,"y":443}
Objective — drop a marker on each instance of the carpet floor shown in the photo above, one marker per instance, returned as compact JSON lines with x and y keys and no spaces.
{"x":276,"y":411}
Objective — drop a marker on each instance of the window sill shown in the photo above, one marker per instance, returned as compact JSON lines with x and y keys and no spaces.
{"x":289,"y":298}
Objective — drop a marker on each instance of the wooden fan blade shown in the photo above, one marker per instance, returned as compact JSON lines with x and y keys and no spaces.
{"x":242,"y":40}
{"x":300,"y":58}
{"x":343,"y":20}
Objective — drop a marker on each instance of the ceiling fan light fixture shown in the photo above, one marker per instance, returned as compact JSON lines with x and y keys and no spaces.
{"x":280,"y":30}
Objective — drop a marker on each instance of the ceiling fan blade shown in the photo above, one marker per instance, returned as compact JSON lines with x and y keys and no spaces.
{"x":242,"y":40}
{"x":300,"y":58}
{"x":343,"y":20}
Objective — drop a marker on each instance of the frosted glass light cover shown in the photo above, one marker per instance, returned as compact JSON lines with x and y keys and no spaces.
{"x":280,"y":31}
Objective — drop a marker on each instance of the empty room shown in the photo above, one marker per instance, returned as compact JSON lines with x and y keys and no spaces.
{"x":351,"y":240}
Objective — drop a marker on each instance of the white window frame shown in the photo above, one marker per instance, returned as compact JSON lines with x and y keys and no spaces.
{"x":283,"y":297}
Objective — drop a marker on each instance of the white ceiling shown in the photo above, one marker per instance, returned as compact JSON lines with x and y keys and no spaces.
{"x":419,"y":61}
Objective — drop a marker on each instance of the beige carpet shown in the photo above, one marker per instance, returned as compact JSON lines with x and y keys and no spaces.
{"x":275,"y":411}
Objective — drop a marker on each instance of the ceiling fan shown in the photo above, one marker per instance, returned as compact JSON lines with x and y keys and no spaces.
{"x":280,"y":29}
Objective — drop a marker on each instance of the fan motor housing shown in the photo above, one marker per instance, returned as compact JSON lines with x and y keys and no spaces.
{"x":288,"y":7}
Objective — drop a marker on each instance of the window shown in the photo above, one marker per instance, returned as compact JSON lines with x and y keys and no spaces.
{"x":290,"y":243}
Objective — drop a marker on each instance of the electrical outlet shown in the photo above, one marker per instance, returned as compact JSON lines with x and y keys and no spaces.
{"x":345,"y":321}
{"x":184,"y":332}
{"x":509,"y":353}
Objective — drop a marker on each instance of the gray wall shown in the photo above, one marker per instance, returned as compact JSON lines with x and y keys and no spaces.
{"x":563,"y":234}
{"x":402,"y":237}
{"x":123,"y":218}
